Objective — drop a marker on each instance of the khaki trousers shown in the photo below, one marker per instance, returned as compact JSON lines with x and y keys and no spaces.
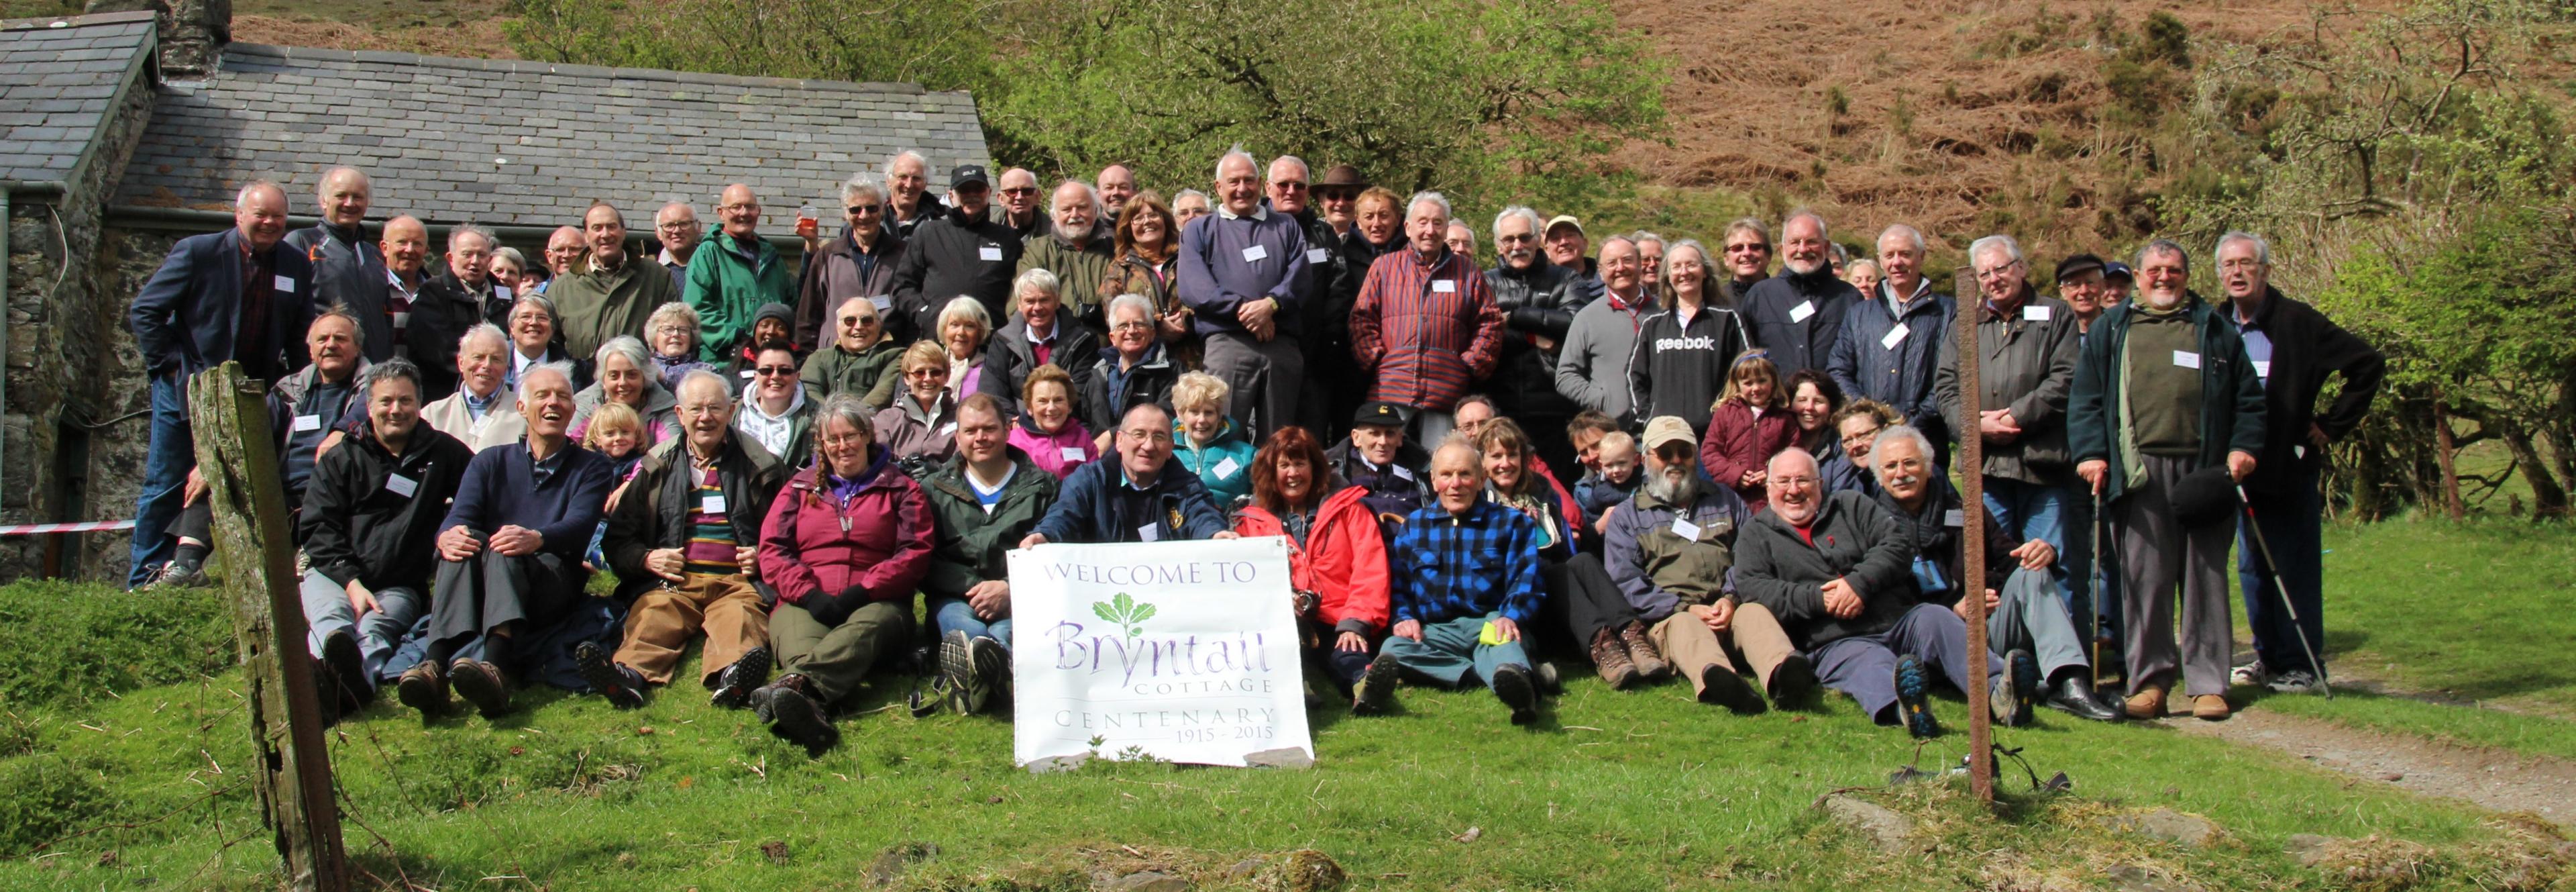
{"x":1753,"y":642}
{"x":662,"y":620}
{"x":837,"y":658}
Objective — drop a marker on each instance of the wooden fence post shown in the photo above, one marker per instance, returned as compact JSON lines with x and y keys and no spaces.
{"x":1972,"y":534}
{"x":237,"y":456}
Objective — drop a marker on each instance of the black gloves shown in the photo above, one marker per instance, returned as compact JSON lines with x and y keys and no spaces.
{"x":832,"y":610}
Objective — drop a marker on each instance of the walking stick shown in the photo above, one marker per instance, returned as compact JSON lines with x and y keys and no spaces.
{"x":2277,"y":585}
{"x":2093,"y":581}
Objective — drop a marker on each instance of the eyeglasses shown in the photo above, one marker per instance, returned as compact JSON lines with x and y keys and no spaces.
{"x":1515,"y":238}
{"x":1153,"y":435}
{"x":753,"y":207}
{"x":776,"y":371}
{"x":861,"y":210}
{"x":672,"y":329}
{"x":858,"y":321}
{"x":1747,"y":249}
{"x":1989,"y":273}
{"x":1130,"y":325}
{"x":939,"y":371}
{"x":1289,"y":185}
{"x":837,"y":441}
{"x":1020,"y":190}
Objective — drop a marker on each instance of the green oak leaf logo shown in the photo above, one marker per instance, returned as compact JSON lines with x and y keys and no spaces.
{"x":1129,"y":613}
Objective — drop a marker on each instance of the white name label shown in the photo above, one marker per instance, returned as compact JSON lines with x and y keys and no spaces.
{"x":2263,"y":369}
{"x":2035,"y":313}
{"x":308,"y":423}
{"x":401,"y":485}
{"x":285,"y":285}
{"x":2187,"y":359}
{"x":713,"y":503}
{"x":884,"y":303}
{"x":990,"y":253}
{"x":1443,"y":286}
{"x":1402,"y":472}
{"x":1070,"y":453}
{"x":949,"y":428}
{"x":1149,"y":533}
{"x":1226,"y":468}
{"x":1804,"y":309}
{"x":1894,"y":337}
{"x":1951,"y":518}
{"x":1252,"y":254}
{"x":1684,"y":528}
{"x":1314,"y":255}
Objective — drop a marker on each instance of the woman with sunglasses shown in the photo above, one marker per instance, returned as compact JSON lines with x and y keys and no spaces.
{"x":859,"y":263}
{"x":922,"y":423}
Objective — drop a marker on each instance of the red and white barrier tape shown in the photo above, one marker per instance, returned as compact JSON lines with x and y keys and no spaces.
{"x":42,"y":529}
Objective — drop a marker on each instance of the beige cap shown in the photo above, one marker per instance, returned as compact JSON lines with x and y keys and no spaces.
{"x":1562,"y":220}
{"x":1666,"y":429}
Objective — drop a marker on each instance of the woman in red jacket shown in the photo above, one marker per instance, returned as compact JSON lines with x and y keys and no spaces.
{"x":1336,"y":562}
{"x":1750,"y":422}
{"x":845,"y":544}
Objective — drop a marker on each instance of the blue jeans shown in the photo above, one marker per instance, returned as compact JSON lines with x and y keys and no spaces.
{"x":2292,"y":526}
{"x":379,"y":633}
{"x":1453,"y":651}
{"x":166,"y":462}
{"x":957,"y":615}
{"x":2034,"y":511}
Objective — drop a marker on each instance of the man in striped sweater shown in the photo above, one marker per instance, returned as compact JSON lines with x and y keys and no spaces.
{"x":1426,"y":325}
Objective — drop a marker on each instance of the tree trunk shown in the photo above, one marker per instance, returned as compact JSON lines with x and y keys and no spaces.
{"x":2548,"y":498}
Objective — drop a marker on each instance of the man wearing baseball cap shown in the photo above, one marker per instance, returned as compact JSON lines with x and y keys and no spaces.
{"x":1567,"y":246}
{"x":963,"y":252}
{"x":2118,"y":280}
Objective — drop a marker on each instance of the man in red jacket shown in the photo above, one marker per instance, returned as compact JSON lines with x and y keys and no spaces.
{"x":1426,"y":324}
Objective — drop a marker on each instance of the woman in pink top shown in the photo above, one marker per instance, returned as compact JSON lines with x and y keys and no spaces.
{"x":1046,"y":429}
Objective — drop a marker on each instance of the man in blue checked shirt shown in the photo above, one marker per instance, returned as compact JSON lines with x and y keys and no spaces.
{"x":1468,"y":572}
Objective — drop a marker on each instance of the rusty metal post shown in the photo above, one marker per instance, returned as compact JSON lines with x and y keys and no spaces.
{"x":291,"y":767}
{"x":1972,"y":535}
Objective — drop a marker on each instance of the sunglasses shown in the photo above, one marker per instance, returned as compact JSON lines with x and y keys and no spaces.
{"x":775,"y":371}
{"x":858,"y":210}
{"x":1020,"y":190}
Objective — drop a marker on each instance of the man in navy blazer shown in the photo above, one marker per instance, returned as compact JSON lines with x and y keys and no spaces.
{"x":231,"y":295}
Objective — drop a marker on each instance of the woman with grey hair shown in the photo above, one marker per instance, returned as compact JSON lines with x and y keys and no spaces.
{"x":1042,"y":332}
{"x":672,"y":332}
{"x":964,"y":326}
{"x":625,"y":372}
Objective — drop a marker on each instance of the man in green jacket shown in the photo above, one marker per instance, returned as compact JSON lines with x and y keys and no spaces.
{"x":982,"y":503}
{"x":1075,"y":246}
{"x":613,"y":292}
{"x":2163,"y":389}
{"x":734,"y":272}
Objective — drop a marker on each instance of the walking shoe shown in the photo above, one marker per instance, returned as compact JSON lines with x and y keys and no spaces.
{"x":1793,"y":683}
{"x":956,"y":670}
{"x":349,"y":668}
{"x":2010,"y":698}
{"x":1375,"y":694}
{"x":801,"y":720}
{"x":735,"y":684}
{"x":2209,"y":707}
{"x":2249,"y":674}
{"x":423,"y":687}
{"x":1548,"y":681}
{"x":2074,"y":695}
{"x":176,"y":575}
{"x":992,"y":664}
{"x":327,"y":697}
{"x":1913,"y":692}
{"x":1642,"y":651}
{"x":2147,"y":704}
{"x":480,"y":683}
{"x":1611,"y":657}
{"x":616,"y":683}
{"x":1512,"y":686}
{"x":2295,"y":681}
{"x":1720,"y":686}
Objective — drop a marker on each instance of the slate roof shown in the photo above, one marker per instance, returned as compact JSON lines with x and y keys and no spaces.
{"x":59,"y":79}
{"x":531,"y":143}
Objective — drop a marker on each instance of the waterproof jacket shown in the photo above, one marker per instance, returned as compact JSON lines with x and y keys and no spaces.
{"x":1738,"y":441}
{"x":1058,"y":453}
{"x":2231,"y":396}
{"x":1097,"y":505}
{"x":2028,"y":366}
{"x":187,"y":319}
{"x":1937,"y":554}
{"x":1107,"y":393}
{"x":1392,"y":491}
{"x":654,"y":513}
{"x":1679,"y":369}
{"x":867,"y":374}
{"x":814,"y":544}
{"x":913,"y":433}
{"x":1079,"y":270}
{"x":1852,"y":539}
{"x":1332,"y":287}
{"x":348,"y":267}
{"x":970,"y":542}
{"x":595,"y":306}
{"x":728,"y":283}
{"x":1797,"y":317}
{"x":1133,"y":274}
{"x":1425,"y":331}
{"x":839,"y":271}
{"x":661,"y":412}
{"x":1009,"y":358}
{"x":1592,"y":364}
{"x":947,"y":257}
{"x":788,"y":436}
{"x":1866,"y":363}
{"x":1660,"y":569}
{"x":1538,"y":302}
{"x":2306,"y":347}
{"x":299,"y":395}
{"x":1342,"y":560}
{"x":1224,"y":464}
{"x":372,"y":516}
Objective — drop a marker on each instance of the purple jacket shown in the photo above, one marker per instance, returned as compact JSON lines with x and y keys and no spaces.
{"x":1218,"y":273}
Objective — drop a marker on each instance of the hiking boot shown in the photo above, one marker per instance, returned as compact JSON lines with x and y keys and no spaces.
{"x":800,"y":719}
{"x":1610,"y":655}
{"x":1720,"y":686}
{"x":348,"y":667}
{"x":1512,"y":685}
{"x":480,"y":683}
{"x":328,"y":700}
{"x":735,"y":684}
{"x":1642,"y":651}
{"x":423,"y":687}
{"x":1375,"y":693}
{"x":1913,"y":697}
{"x":2210,"y":708}
{"x":992,"y":665}
{"x":2295,"y":681}
{"x":1548,"y":681}
{"x":1793,"y":684}
{"x":176,"y":575}
{"x":2146,"y":705}
{"x":2009,"y":700}
{"x":616,"y":683}
{"x":2251,"y":674}
{"x":2073,"y":696}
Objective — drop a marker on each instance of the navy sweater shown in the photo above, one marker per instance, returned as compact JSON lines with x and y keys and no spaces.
{"x":500,"y":489}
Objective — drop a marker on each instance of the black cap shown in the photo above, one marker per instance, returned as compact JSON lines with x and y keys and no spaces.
{"x":2204,"y":497}
{"x":1381,"y":414}
{"x":2118,"y":270}
{"x":2077,"y":264}
{"x":967,"y":173}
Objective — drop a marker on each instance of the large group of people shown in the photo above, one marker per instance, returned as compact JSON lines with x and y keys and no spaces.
{"x":1650,"y":459}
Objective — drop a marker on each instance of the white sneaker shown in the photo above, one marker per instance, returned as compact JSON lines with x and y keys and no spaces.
{"x":2295,"y":681}
{"x":2248,"y":674}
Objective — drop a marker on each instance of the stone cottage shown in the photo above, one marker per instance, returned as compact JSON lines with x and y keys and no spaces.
{"x":126,"y":131}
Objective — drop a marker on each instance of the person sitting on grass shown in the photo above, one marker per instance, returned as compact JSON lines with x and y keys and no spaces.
{"x":509,"y":553}
{"x":682,"y":542}
{"x":1612,"y":482}
{"x":1582,"y":602}
{"x":2025,"y":622}
{"x":844,"y":544}
{"x":1394,"y":476}
{"x":1210,"y":444}
{"x":1466,"y":582}
{"x":1833,"y":568}
{"x":1047,"y":432}
{"x":1672,"y":550}
{"x":922,"y":423}
{"x":981,"y":502}
{"x":371,"y":515}
{"x":1856,"y":425}
{"x":1144,"y":496}
{"x":1336,"y":558}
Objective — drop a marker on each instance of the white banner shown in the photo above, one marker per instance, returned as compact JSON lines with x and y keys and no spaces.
{"x":1181,"y":651}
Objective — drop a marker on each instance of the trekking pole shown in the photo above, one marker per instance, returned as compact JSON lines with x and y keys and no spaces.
{"x":2093,"y":581}
{"x":2266,"y":549}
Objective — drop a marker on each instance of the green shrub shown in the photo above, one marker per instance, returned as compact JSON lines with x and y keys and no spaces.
{"x":48,"y":797}
{"x":65,"y":644}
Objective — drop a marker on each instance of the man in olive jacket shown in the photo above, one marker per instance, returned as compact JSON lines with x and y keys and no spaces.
{"x":968,"y":588}
{"x":611,"y":293}
{"x":2026,"y":344}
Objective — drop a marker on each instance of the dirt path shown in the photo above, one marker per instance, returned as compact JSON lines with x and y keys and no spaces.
{"x":2492,"y":779}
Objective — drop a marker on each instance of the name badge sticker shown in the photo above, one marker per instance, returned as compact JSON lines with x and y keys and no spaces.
{"x":713,"y":503}
{"x":2263,"y":369}
{"x":1149,"y":533}
{"x":1684,"y":528}
{"x":1071,"y":453}
{"x":1444,"y":286}
{"x":401,"y":485}
{"x":1951,"y":518}
{"x":1403,"y":472}
{"x":285,"y":285}
{"x":308,"y":423}
{"x":1894,"y":337}
{"x":947,"y":429}
{"x":2035,"y":313}
{"x":990,"y":253}
{"x":1226,"y":468}
{"x":2186,"y":359}
{"x":1255,"y":254}
{"x":885,"y":303}
{"x":1314,"y":255}
{"x":1804,"y":309}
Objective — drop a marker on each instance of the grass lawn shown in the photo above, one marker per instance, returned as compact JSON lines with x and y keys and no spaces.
{"x":1616,"y":790}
